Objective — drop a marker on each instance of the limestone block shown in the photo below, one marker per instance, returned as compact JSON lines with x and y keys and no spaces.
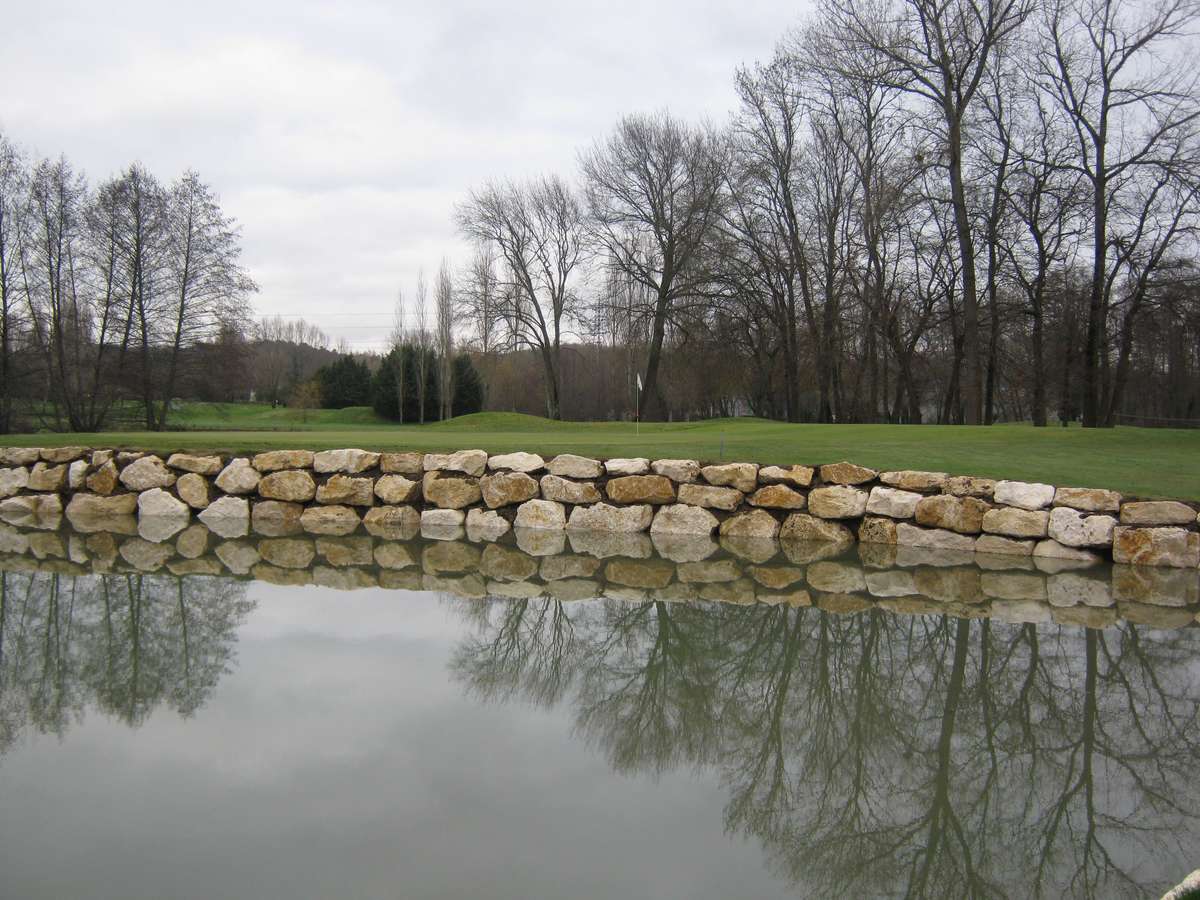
{"x":892,"y":502}
{"x":1073,"y":588}
{"x":641,"y":489}
{"x":568,"y":465}
{"x":961,"y":514}
{"x":410,"y":464}
{"x":77,"y":474}
{"x":294,"y":486}
{"x":683,"y":547}
{"x":636,"y":466}
{"x":43,"y":477}
{"x":63,"y":454}
{"x":757,"y":523}
{"x":339,"y":489}
{"x":1015,"y":522}
{"x":933,"y":538}
{"x":546,"y":515}
{"x":442,"y":518}
{"x":1003,"y":546}
{"x":19,"y":456}
{"x":394,"y":523}
{"x":1154,"y":512}
{"x":777,"y":496}
{"x":742,"y":476}
{"x":970,"y":486}
{"x":104,"y":479}
{"x":1159,"y":585}
{"x":805,"y":527}
{"x":277,"y":460}
{"x":1071,"y":527}
{"x":710,"y":497}
{"x":507,"y":489}
{"x":612,"y":519}
{"x":797,"y":476}
{"x":486,"y":524}
{"x":544,"y":541}
{"x":145,"y":473}
{"x":350,"y":461}
{"x":564,"y":490}
{"x":516,"y":462}
{"x":1088,"y":499}
{"x":837,"y":502}
{"x":95,"y":506}
{"x":329,"y":520}
{"x":1156,"y":546}
{"x":877,"y":530}
{"x":681,"y":471}
{"x":13,"y":480}
{"x":450,"y":492}
{"x":846,"y":473}
{"x":680,"y":518}
{"x":233,"y":508}
{"x":468,"y":462}
{"x":910,"y":480}
{"x":201,"y":465}
{"x":238,"y":477}
{"x":157,"y":502}
{"x":1026,"y":495}
{"x":276,"y":518}
{"x":1052,"y":549}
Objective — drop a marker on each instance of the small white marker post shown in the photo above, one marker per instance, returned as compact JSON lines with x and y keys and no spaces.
{"x":637,"y":406}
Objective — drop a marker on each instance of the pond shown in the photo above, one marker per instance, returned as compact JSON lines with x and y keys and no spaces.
{"x":588,"y":716}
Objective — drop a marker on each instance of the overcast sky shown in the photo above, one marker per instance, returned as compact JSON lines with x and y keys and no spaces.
{"x":340,"y":135}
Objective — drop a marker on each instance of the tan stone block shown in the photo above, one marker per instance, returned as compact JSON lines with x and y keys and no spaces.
{"x":846,"y":473}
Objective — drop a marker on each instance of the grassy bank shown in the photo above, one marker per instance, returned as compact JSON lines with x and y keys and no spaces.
{"x":1139,"y":461}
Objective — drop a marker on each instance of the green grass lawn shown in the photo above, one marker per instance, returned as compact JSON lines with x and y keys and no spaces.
{"x":1147,"y":462}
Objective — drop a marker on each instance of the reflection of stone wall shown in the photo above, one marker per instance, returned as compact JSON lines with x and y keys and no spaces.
{"x":334,"y":492}
{"x":635,"y":567}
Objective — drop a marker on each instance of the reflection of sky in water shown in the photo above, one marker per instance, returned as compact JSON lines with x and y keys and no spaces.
{"x":392,"y":743}
{"x":338,"y":758}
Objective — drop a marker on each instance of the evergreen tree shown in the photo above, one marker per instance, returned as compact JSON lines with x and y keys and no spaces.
{"x":346,"y":382}
{"x":468,"y":387}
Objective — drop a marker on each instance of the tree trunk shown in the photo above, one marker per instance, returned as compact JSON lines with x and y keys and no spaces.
{"x":972,"y":395}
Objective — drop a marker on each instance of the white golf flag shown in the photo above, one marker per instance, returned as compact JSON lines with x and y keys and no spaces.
{"x":639,"y":378}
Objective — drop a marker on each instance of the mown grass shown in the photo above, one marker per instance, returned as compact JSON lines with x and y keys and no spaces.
{"x":1139,"y":461}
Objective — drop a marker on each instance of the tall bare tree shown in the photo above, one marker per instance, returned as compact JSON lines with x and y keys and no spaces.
{"x":654,"y":191}
{"x":422,"y":339}
{"x":536,"y":228}
{"x":13,"y":203}
{"x":444,"y":301}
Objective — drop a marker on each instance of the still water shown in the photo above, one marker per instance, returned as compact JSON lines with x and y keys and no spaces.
{"x":735,"y":725}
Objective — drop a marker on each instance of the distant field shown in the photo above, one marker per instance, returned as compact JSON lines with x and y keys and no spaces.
{"x":1139,"y":461}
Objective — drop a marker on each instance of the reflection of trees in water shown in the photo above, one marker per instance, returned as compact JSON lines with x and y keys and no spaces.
{"x":880,"y":755}
{"x":121,"y":643}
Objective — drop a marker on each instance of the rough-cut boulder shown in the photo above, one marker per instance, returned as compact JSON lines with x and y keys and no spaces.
{"x":18,"y":456}
{"x":1148,"y":512}
{"x":543,"y":514}
{"x":892,"y":502}
{"x":329,"y":520}
{"x":63,"y":454}
{"x":507,"y":489}
{"x":442,"y":519}
{"x":1156,"y":546}
{"x":397,"y":489}
{"x":104,"y":479}
{"x":94,"y":506}
{"x":641,"y":489}
{"x":637,"y":466}
{"x":100,"y":457}
{"x":238,"y":477}
{"x":680,"y":518}
{"x":226,"y":508}
{"x":613,"y":519}
{"x":961,"y":514}
{"x":1071,"y":527}
{"x":804,"y":527}
{"x":201,"y":465}
{"x":875,"y":530}
{"x":516,"y":462}
{"x":1024,"y":494}
{"x":909,"y":480}
{"x":681,"y":471}
{"x":145,"y":473}
{"x":846,"y":473}
{"x":932,"y":538}
{"x":1003,"y":546}
{"x":39,"y":507}
{"x":350,"y":461}
{"x":77,"y":474}
{"x":43,"y":477}
{"x":450,"y":493}
{"x":411,"y":464}
{"x":742,"y":476}
{"x":777,"y":496}
{"x":564,"y":490}
{"x":157,"y":502}
{"x":1013,"y":522}
{"x":277,"y":460}
{"x":12,"y":480}
{"x":710,"y":497}
{"x":568,"y":465}
{"x":797,"y":476}
{"x":396,"y":523}
{"x":837,"y":502}
{"x":1088,"y":499}
{"x":970,"y":486}
{"x":294,"y":486}
{"x":757,"y":523}
{"x":468,"y":462}
{"x":486,"y":522}
{"x":344,"y":490}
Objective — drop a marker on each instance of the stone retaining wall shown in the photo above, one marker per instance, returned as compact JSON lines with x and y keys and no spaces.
{"x":334,"y":492}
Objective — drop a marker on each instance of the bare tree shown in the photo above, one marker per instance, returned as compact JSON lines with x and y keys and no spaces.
{"x":13,"y":200}
{"x":1133,"y":113}
{"x":536,"y":228}
{"x":938,"y":50}
{"x":444,"y":300}
{"x":422,"y":339}
{"x":399,"y":341}
{"x":654,"y":191}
